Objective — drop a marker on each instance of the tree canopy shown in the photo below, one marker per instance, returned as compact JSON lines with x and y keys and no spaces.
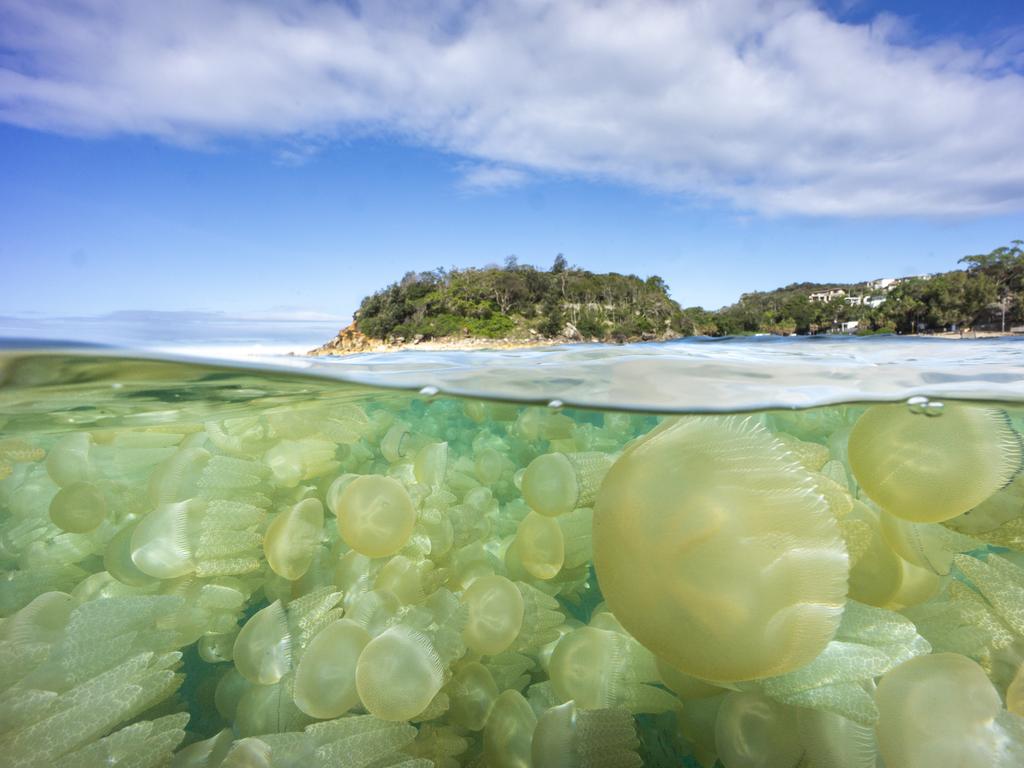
{"x":522,"y":301}
{"x":519,"y":300}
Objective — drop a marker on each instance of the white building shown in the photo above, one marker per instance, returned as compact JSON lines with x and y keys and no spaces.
{"x":826,"y":296}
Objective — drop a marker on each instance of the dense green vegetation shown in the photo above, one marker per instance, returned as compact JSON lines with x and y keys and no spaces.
{"x":520,"y":301}
{"x":517,"y":299}
{"x":988,"y":294}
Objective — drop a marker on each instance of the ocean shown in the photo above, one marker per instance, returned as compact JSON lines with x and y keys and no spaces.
{"x":736,"y":552}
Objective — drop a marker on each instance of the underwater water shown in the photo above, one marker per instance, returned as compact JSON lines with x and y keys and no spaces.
{"x":621,"y":557}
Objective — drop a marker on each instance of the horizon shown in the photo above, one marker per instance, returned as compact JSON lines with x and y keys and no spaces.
{"x":729,"y":148}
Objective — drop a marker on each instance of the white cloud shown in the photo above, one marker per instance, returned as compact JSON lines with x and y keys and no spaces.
{"x":485,"y":177}
{"x":770,"y":105}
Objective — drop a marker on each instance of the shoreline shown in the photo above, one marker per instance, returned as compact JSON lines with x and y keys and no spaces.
{"x":349,"y":342}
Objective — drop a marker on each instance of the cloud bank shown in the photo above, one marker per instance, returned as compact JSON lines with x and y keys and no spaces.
{"x":770,"y":105}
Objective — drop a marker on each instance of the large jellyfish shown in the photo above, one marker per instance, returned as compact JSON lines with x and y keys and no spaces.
{"x":715,"y":550}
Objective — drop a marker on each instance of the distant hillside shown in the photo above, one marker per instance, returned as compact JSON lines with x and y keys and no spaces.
{"x":520,"y":302}
{"x":987,"y":295}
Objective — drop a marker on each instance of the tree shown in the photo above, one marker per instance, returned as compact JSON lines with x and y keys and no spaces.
{"x":560,"y":265}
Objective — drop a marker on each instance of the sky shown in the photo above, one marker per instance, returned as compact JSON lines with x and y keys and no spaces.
{"x":279,"y":161}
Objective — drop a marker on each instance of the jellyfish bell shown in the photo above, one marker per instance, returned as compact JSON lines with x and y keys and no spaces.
{"x":375,"y":515}
{"x":69,"y":461}
{"x":930,"y":469}
{"x":538,"y":547}
{"x":714,"y":549}
{"x":495,"y":614}
{"x":472,"y":692}
{"x":1001,"y":507}
{"x":78,"y":508}
{"x":263,"y":648}
{"x":939,"y":711}
{"x":291,"y":539}
{"x":508,"y":735}
{"x":556,"y":483}
{"x":325,"y":678}
{"x":161,"y":543}
{"x":398,"y":674}
{"x":753,"y":731}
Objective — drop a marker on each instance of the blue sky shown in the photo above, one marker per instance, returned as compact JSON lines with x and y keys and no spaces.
{"x":284,"y":162}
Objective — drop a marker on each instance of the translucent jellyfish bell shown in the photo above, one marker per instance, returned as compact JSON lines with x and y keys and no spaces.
{"x":160,"y":543}
{"x":78,"y":508}
{"x":599,"y":669}
{"x":567,"y":737}
{"x":939,"y":711}
{"x":508,"y":734}
{"x":929,"y":469}
{"x":375,"y":515}
{"x":557,"y":483}
{"x":715,"y":550}
{"x":752,"y":731}
{"x":472,"y":692}
{"x":398,"y":674}
{"x":263,"y":649}
{"x":539,"y":547}
{"x":495,"y":614}
{"x":292,"y":538}
{"x":325,"y":679}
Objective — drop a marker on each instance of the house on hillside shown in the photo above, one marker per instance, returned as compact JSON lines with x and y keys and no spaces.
{"x":865,"y":301}
{"x":828,"y":295}
{"x":882,"y":283}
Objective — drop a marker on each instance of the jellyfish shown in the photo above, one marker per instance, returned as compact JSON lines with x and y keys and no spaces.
{"x":325,"y":678}
{"x":926,"y":545}
{"x":177,"y":478}
{"x":568,"y":737}
{"x":599,"y":669}
{"x":557,"y":483}
{"x":495,"y":615}
{"x":264,"y":709}
{"x":398,"y":674}
{"x":70,"y":459}
{"x":161,"y":545}
{"x":472,"y":692}
{"x":833,"y":741}
{"x":508,"y":734}
{"x":538,"y":548}
{"x":431,"y":463}
{"x":292,"y":538}
{"x":411,"y":581}
{"x":941,"y":711}
{"x":715,"y":550}
{"x":293,"y":461}
{"x":998,"y":509}
{"x":928,"y":469}
{"x":752,"y":731}
{"x":375,"y":515}
{"x":263,"y":648}
{"x":78,"y":508}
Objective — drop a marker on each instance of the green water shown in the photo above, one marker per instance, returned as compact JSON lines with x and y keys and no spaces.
{"x":263,"y":568}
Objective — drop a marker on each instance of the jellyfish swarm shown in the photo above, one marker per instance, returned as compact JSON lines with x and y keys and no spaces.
{"x":715,"y":551}
{"x":927,"y":469}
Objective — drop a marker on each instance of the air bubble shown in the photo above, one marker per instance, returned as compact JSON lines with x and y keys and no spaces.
{"x":917,"y":404}
{"x":429,"y":391}
{"x":933,"y":408}
{"x":556,"y":405}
